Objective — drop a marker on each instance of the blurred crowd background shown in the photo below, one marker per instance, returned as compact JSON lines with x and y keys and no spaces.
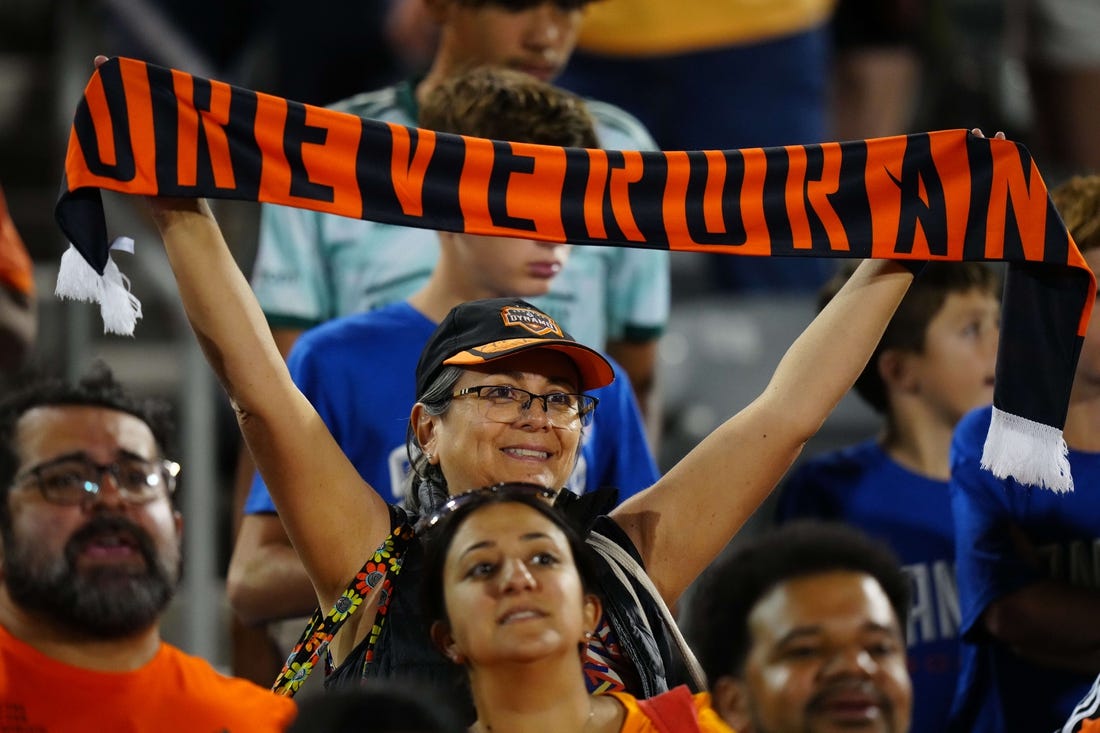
{"x":949,"y":64}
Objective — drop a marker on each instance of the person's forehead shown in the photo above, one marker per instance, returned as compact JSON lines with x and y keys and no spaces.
{"x":831,"y":600}
{"x":965,"y":301}
{"x":53,"y":430}
{"x":504,"y":523}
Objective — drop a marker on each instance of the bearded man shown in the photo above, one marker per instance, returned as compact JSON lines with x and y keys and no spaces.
{"x":91,"y":558}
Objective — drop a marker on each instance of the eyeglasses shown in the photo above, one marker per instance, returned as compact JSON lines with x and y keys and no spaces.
{"x":504,"y":403}
{"x":460,"y":500}
{"x":70,"y":481}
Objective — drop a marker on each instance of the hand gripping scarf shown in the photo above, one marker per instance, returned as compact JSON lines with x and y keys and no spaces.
{"x":143,"y":129}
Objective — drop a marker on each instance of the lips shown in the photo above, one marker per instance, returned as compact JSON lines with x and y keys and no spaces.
{"x":527,"y":453}
{"x":850,"y":706}
{"x":543,"y":270}
{"x":519,"y":615}
{"x":111,"y":546}
{"x":111,"y":539}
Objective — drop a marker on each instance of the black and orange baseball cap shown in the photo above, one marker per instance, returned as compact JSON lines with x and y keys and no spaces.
{"x":482,"y":331}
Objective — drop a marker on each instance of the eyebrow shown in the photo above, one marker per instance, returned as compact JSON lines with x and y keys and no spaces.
{"x":806,"y":631}
{"x":528,"y":537}
{"x":82,"y":456}
{"x":563,"y":381}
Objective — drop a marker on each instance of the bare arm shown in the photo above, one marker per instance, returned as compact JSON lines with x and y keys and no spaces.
{"x":267,"y":581}
{"x":684,"y":520}
{"x":1049,"y":623}
{"x":319,"y":493}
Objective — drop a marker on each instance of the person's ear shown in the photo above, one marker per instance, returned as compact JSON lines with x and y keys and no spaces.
{"x":424,"y":426}
{"x":730,"y":698}
{"x":895,"y":368}
{"x":445,"y":643}
{"x":177,"y":519}
{"x":592,"y":611}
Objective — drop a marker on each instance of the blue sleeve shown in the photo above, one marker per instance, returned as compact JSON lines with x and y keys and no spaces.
{"x":987,"y":565}
{"x":617,"y":451}
{"x":258,"y":501}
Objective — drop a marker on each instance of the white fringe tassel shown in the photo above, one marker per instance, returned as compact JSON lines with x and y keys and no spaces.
{"x":1030,"y":452}
{"x":76,"y":280}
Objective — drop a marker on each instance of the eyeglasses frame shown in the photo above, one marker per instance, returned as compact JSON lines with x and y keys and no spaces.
{"x":170,"y":470}
{"x":583,"y":415}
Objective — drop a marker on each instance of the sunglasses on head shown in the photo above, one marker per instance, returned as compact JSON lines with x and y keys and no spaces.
{"x":504,"y":490}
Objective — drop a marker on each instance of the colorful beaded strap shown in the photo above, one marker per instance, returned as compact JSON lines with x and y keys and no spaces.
{"x":382,"y":567}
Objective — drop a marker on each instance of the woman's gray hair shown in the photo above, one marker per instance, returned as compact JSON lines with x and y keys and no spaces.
{"x":425,"y":486}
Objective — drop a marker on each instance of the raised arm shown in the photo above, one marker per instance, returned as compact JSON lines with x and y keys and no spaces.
{"x":684,"y":520}
{"x":332,"y":518}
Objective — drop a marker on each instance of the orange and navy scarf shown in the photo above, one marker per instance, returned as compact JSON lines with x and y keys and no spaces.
{"x":143,"y":129}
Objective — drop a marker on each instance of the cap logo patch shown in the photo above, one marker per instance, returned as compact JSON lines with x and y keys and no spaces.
{"x":537,"y":323}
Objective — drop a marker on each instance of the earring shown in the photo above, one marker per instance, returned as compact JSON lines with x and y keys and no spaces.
{"x":429,"y":457}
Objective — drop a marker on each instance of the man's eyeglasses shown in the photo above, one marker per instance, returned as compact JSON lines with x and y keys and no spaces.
{"x":72,"y":480}
{"x":460,"y":500}
{"x":504,"y":403}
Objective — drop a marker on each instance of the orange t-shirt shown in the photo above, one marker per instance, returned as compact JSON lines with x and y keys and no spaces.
{"x":681,"y":712}
{"x":175,"y":692}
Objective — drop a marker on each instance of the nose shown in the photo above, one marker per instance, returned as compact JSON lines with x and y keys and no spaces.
{"x":516,"y":577}
{"x":851,"y":662}
{"x":546,"y":28}
{"x":109,"y":494}
{"x":534,"y":413}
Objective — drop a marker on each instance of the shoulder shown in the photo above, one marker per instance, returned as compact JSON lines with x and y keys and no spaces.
{"x":852,"y":457}
{"x":970,"y":433}
{"x":671,"y":710}
{"x":385,"y":325}
{"x":379,"y":104}
{"x":841,"y":465}
{"x":215,"y":690}
{"x":617,"y":129}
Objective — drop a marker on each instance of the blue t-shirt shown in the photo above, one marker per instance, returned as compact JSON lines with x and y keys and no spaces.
{"x":999,"y":690}
{"x":862,"y":486}
{"x":359,"y":373}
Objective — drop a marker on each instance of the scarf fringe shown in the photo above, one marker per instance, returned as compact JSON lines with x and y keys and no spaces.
{"x":77,"y":280}
{"x":1028,"y":451}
